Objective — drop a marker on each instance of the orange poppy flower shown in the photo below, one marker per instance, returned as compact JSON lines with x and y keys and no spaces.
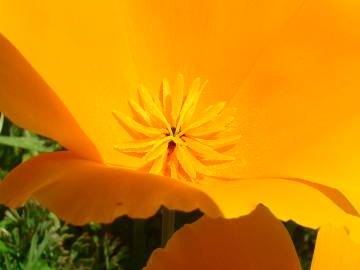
{"x":254,"y":242}
{"x":277,"y":123}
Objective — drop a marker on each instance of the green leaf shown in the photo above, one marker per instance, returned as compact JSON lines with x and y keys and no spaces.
{"x":29,"y":143}
{"x":4,"y":248}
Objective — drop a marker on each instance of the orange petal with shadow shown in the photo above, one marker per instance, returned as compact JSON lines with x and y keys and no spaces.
{"x":255,"y":241}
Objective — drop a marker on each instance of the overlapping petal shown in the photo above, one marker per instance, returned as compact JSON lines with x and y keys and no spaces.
{"x":335,"y":250}
{"x":81,"y":52}
{"x":81,"y":191}
{"x":29,"y":102}
{"x":256,"y":241}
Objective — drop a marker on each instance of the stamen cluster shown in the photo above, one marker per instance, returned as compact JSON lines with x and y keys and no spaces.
{"x":175,"y":143}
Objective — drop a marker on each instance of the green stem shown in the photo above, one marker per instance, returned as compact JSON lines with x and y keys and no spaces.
{"x":168,"y":225}
{"x":139,"y":244}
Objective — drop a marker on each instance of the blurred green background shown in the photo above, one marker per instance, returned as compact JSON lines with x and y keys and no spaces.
{"x":32,"y":238}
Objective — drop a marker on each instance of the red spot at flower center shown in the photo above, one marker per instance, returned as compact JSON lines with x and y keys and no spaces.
{"x":171,"y":147}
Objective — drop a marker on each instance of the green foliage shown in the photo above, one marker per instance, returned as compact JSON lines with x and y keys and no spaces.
{"x":304,"y":241}
{"x":32,"y":238}
{"x":29,"y":142}
{"x":18,"y":145}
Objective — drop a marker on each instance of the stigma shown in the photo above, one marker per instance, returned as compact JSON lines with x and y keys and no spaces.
{"x":171,"y":137}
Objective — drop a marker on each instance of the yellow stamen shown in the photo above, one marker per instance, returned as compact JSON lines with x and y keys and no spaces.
{"x":192,"y":162}
{"x":166,"y":99}
{"x":159,"y":164}
{"x":190,"y":113}
{"x":173,"y":163}
{"x":178,"y":144}
{"x":212,"y":128}
{"x":191,"y":99}
{"x":137,"y":146}
{"x":139,"y":128}
{"x":206,"y":152}
{"x":221,"y":142}
{"x":152,"y":107}
{"x":177,"y":98}
{"x":158,"y":149}
{"x":140,"y":112}
{"x":185,"y":162}
{"x":209,"y":115}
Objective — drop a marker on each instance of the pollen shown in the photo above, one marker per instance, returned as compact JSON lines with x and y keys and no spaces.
{"x":171,"y":137}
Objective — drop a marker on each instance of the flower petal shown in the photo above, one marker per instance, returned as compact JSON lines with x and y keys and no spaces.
{"x":81,"y":51}
{"x":298,"y":110}
{"x":93,"y":56}
{"x":256,"y":241}
{"x":335,"y":250}
{"x":216,"y":40}
{"x":28,"y":101}
{"x":80,"y":191}
{"x":307,"y":205}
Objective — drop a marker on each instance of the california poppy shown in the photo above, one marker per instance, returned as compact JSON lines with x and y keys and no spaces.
{"x":254,"y":242}
{"x":117,"y":85}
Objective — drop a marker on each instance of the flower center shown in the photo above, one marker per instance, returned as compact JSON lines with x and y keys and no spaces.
{"x":170,"y":138}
